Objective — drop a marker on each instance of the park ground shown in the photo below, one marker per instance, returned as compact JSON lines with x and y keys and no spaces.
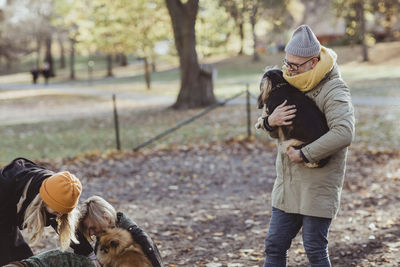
{"x":203,"y":193}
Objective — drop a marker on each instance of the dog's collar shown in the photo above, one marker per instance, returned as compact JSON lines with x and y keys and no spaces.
{"x":278,"y":86}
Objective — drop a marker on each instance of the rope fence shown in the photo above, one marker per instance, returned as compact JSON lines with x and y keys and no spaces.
{"x":189,"y":120}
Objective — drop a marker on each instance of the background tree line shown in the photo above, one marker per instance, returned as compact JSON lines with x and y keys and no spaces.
{"x":190,"y":29}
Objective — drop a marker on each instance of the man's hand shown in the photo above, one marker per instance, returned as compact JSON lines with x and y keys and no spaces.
{"x":282,"y":115}
{"x":294,"y":155}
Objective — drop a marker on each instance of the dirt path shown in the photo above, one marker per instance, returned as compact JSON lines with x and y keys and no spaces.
{"x":59,"y":103}
{"x":209,"y":206}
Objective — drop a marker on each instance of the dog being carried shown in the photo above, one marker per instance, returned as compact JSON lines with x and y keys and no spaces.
{"x":309,"y":123}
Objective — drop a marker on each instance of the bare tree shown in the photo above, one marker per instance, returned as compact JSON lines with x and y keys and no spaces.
{"x":49,"y":56}
{"x":388,"y":12}
{"x":236,"y":9}
{"x":109,"y":66}
{"x":359,"y":5}
{"x":354,"y":14}
{"x":61,"y":39}
{"x":253,"y":21}
{"x":72,"y":59}
{"x":196,"y":81}
{"x":17,"y":31}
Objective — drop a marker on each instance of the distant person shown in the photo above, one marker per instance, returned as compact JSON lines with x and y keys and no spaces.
{"x":33,"y":197}
{"x":35,"y":75}
{"x":308,"y":198}
{"x":97,"y":215}
{"x":46,"y":72}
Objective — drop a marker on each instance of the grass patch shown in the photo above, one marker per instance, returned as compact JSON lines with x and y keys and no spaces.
{"x":67,"y":138}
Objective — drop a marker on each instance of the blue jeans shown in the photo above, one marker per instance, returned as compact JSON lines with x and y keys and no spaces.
{"x":283,"y":227}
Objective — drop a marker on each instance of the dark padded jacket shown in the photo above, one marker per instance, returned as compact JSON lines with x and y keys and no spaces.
{"x":13,"y":179}
{"x":142,"y":238}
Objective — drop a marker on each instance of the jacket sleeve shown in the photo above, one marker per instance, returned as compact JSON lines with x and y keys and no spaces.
{"x":83,"y":248}
{"x":148,"y":246}
{"x":339,"y":113}
{"x":7,"y":214}
{"x":142,"y":238}
{"x":273,"y":131}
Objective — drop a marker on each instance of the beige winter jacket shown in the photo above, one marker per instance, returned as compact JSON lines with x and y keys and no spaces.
{"x":316,"y":191}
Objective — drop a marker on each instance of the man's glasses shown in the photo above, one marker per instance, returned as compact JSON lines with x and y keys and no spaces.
{"x":294,"y":66}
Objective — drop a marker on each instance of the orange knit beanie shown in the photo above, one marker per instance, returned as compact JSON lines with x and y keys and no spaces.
{"x":61,"y":191}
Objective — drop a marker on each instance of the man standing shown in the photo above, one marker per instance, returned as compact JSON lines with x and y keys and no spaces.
{"x":303,"y":197}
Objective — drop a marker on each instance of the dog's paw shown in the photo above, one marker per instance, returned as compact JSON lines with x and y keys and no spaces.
{"x":260,"y":123}
{"x":312,"y":165}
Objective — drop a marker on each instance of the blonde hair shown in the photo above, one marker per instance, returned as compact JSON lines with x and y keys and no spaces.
{"x":98,"y":210}
{"x":35,"y":221}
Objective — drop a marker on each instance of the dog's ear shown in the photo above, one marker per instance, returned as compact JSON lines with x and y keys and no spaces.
{"x":260,"y":102}
{"x":114,"y":244}
{"x":265,"y":88}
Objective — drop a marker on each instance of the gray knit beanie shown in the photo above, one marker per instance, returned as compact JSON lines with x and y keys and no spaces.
{"x":303,"y":43}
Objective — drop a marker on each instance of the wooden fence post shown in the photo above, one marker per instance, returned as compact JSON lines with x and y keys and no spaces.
{"x":248,"y":111}
{"x":116,"y":123}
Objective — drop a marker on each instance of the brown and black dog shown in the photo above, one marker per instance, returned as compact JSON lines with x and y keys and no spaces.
{"x":309,"y":123}
{"x":116,"y":248}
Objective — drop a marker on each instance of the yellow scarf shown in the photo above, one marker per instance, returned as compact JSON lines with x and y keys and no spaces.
{"x":308,"y":80}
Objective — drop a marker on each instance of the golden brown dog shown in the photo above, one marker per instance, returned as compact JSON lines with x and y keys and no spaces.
{"x":116,"y":248}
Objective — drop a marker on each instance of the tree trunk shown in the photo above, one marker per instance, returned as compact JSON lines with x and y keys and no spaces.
{"x":241,"y":34}
{"x":196,"y":83}
{"x":123,"y":60}
{"x":62,"y":54}
{"x":253,"y":21}
{"x":109,"y":66}
{"x":153,"y":63}
{"x":72,"y":60}
{"x":49,"y":57}
{"x":38,"y":49}
{"x":147,"y":72}
{"x":388,"y":22}
{"x":241,"y":26}
{"x":361,"y":12}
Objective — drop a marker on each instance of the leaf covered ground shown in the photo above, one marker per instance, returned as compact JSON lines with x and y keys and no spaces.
{"x":206,"y":202}
{"x":209,"y":205}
